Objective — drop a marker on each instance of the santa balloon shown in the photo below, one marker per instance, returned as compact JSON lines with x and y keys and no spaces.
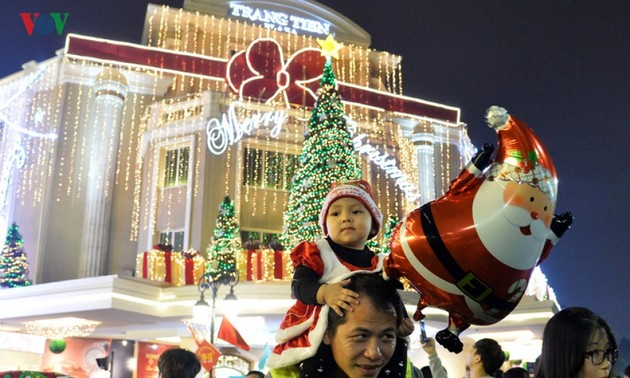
{"x":471,"y":252}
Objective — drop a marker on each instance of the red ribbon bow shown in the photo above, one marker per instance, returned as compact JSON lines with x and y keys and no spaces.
{"x":260,"y":72}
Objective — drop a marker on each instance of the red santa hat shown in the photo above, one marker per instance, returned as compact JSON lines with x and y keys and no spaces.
{"x":521,"y":157}
{"x":358,"y":189}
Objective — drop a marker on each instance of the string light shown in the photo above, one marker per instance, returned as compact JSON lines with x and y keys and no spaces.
{"x":175,"y":29}
{"x":61,"y":328}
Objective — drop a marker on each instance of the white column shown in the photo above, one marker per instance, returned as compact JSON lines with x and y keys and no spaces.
{"x":103,"y":134}
{"x":421,"y":135}
{"x":423,"y":143}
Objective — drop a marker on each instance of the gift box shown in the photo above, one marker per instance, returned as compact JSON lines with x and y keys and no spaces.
{"x":264,"y":264}
{"x":187,"y":268}
{"x":176,"y":268}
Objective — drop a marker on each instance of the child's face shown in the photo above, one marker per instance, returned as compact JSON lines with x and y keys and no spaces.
{"x":349,"y":223}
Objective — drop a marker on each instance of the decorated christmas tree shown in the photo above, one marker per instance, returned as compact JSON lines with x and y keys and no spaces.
{"x":327,"y":156}
{"x":13,"y":262}
{"x":226,"y":242}
{"x":381,"y":245}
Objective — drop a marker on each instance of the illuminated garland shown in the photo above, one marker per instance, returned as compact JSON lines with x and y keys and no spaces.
{"x":61,"y":328}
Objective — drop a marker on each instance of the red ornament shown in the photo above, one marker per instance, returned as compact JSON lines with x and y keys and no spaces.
{"x":163,"y":247}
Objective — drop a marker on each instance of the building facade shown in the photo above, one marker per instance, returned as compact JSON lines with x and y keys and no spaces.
{"x":109,"y":147}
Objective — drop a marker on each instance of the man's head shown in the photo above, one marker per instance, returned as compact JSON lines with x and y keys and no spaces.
{"x":363,"y":340}
{"x":485,"y":358}
{"x":178,"y":363}
{"x":255,"y":374}
{"x":626,"y":372}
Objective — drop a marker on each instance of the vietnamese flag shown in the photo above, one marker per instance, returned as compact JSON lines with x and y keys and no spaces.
{"x":229,"y":333}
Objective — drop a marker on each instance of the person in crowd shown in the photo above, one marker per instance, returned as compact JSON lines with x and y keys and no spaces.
{"x":362,"y":343}
{"x":426,"y":371}
{"x":626,"y":372}
{"x":484,"y":359}
{"x":435,"y":364}
{"x":516,"y":372}
{"x":348,"y":219}
{"x":178,"y":363}
{"x":577,"y":343}
{"x":255,"y":374}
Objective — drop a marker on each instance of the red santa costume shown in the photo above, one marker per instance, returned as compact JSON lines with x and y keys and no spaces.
{"x":302,"y":329}
{"x":471,"y":252}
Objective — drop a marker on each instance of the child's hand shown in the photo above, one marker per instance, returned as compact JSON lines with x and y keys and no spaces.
{"x":337,"y":297}
{"x":406,"y":328}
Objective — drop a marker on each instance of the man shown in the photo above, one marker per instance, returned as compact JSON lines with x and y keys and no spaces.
{"x":484,"y":359}
{"x":435,"y":365}
{"x":363,"y":342}
{"x":178,"y":363}
{"x":255,"y":374}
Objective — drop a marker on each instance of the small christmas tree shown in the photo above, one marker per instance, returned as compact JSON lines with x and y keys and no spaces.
{"x":382,"y":246}
{"x":13,"y":262}
{"x":226,"y":241}
{"x":327,"y":157}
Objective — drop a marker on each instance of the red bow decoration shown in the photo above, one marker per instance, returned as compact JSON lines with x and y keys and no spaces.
{"x":260,"y":72}
{"x":163,"y":247}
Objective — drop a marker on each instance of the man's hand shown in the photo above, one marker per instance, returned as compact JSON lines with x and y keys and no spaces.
{"x":429,"y":346}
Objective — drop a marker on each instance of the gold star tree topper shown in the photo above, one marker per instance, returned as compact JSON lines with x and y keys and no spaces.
{"x":330,"y":47}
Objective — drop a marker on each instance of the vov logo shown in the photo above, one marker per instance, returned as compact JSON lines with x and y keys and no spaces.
{"x":44,"y":23}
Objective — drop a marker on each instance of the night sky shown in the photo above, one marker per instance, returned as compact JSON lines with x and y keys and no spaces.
{"x":562,"y":67}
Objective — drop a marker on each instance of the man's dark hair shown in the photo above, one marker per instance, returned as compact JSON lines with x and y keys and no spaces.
{"x":257,"y":373}
{"x":178,"y":363}
{"x":382,"y":293}
{"x":492,"y":356}
{"x":516,"y":372}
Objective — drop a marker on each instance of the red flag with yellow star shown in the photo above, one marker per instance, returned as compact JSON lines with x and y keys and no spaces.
{"x":230,"y":334}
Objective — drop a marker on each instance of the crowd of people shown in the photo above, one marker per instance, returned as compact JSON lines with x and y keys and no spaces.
{"x":577,"y":343}
{"x":349,"y":320}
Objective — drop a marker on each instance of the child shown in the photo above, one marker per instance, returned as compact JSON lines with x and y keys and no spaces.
{"x":349,"y":217}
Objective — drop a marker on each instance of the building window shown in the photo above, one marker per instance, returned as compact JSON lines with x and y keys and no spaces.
{"x":176,"y":167}
{"x":175,"y":238}
{"x":268,"y":169}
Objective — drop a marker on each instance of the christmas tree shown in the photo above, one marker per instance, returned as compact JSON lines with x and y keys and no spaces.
{"x":382,"y":246}
{"x":327,"y":157}
{"x":226,"y":242}
{"x":13,"y":262}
